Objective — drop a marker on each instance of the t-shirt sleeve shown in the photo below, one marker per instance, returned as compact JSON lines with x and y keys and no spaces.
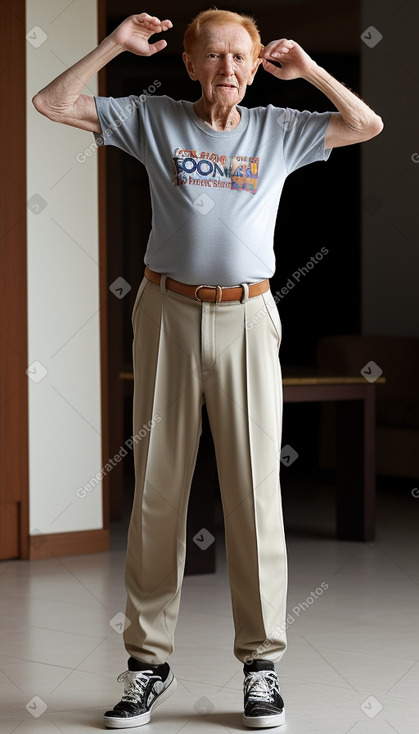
{"x":120,"y":120}
{"x":304,"y":134}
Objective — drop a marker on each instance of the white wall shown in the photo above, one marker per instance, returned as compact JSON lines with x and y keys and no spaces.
{"x":63,"y":288}
{"x":390,"y":171}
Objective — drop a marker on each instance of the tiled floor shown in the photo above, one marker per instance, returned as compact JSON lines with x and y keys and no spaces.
{"x":352,"y":663}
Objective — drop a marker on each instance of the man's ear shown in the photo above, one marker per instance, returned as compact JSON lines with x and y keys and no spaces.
{"x":187,"y":60}
{"x":254,"y":69}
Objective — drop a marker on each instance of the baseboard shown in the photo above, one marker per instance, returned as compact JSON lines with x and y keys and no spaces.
{"x":68,"y":544}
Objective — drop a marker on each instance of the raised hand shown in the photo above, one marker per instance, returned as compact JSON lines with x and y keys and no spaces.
{"x":133,"y":34}
{"x":295,"y":62}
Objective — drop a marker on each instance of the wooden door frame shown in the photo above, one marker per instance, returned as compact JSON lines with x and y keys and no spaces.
{"x":103,"y":281}
{"x":14,"y":398}
{"x":14,"y":440}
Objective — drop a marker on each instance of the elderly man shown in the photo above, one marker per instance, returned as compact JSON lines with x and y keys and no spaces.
{"x":206,"y":328}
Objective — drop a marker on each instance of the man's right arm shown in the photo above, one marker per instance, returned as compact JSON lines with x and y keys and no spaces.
{"x":62,"y":100}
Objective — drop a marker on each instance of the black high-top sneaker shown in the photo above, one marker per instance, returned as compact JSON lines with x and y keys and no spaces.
{"x":144,"y":690}
{"x":263,"y":704}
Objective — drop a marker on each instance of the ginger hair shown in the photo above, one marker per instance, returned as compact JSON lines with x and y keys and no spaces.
{"x":213,"y":15}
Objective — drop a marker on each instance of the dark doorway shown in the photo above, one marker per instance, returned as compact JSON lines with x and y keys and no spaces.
{"x":319,"y":206}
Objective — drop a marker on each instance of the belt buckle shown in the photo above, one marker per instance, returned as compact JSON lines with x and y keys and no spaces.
{"x":218,"y":292}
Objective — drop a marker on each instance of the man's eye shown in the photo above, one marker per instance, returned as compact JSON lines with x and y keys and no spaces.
{"x":212,"y":56}
{"x":239,"y":57}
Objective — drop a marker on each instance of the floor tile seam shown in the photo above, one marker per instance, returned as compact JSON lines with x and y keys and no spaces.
{"x":354,"y":627}
{"x":12,"y":717}
{"x":283,"y":676}
{"x":208,"y":685}
{"x":367,"y":654}
{"x":33,"y":597}
{"x":41,"y":662}
{"x":59,"y":631}
{"x":360,"y":691}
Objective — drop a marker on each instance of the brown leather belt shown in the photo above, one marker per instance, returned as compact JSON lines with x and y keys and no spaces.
{"x":214,"y":293}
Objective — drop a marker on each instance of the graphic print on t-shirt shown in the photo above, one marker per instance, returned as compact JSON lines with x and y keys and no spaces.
{"x":238,"y":172}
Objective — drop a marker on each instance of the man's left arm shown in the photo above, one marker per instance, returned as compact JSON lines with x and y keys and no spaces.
{"x":353,"y":123}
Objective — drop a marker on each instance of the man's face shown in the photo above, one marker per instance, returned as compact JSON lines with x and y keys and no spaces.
{"x":223,"y":62}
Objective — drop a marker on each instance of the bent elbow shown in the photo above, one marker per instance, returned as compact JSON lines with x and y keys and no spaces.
{"x":379,"y":124}
{"x":376,"y":126}
{"x":41,"y":106}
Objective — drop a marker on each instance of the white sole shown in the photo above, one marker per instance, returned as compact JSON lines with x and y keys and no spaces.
{"x":264,"y":722}
{"x":127,"y":723}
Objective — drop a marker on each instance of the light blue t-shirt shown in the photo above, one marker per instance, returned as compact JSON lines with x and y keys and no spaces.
{"x":214,"y":195}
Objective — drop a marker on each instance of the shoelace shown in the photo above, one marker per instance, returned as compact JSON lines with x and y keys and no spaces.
{"x":261,"y":685}
{"x":136,"y":690}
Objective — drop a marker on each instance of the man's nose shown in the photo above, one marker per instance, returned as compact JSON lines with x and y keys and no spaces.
{"x":227,"y":65}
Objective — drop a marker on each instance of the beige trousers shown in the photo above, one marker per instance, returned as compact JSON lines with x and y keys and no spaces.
{"x":225,"y":354}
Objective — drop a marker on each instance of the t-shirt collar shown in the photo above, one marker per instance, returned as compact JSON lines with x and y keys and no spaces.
{"x":189,"y":108}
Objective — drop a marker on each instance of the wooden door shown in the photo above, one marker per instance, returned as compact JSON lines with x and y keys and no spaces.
{"x":14,"y":497}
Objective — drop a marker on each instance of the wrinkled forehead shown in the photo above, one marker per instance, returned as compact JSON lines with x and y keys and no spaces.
{"x":225,"y":36}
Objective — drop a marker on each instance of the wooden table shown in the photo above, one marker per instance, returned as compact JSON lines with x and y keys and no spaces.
{"x":355,"y":475}
{"x":355,"y":461}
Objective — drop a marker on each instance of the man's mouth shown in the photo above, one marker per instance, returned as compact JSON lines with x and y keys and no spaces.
{"x":227,"y":86}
